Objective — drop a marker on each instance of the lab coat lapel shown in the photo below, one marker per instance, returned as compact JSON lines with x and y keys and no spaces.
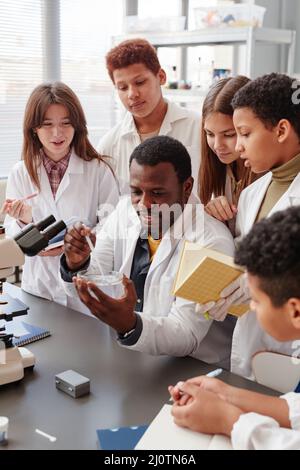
{"x":256,"y":201}
{"x":174,"y":113}
{"x":294,"y":192}
{"x":174,"y":235}
{"x":47,"y":194}
{"x":75,"y":166}
{"x":133,"y":231}
{"x":290,"y":198}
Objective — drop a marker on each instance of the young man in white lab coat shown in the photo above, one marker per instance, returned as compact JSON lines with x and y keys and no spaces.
{"x":253,"y":420}
{"x":267,"y":121}
{"x":134,"y":69}
{"x":134,"y":241}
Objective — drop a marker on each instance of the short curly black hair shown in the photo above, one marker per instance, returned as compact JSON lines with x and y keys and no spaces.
{"x":164,"y":149}
{"x":271,"y":98}
{"x":271,"y":251}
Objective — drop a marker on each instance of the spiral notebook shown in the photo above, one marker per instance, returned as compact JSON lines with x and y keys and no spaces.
{"x":25,"y":333}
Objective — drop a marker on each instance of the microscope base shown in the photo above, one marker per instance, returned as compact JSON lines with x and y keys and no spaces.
{"x":12,"y":364}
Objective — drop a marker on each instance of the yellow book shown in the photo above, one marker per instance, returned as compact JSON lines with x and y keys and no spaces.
{"x":203,"y":273}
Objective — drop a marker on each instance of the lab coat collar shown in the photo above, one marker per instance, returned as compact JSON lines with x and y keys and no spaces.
{"x":174,"y":113}
{"x":75,"y":164}
{"x":293,"y":195}
{"x":260,"y":187}
{"x":169,"y":242}
{"x":75,"y":167}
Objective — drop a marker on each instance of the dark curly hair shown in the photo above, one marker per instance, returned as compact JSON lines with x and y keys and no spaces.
{"x":164,"y":149}
{"x":271,"y":99}
{"x":271,"y":251}
{"x":132,"y":51}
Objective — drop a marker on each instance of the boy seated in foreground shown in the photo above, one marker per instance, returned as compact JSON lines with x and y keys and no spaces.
{"x":271,"y":255}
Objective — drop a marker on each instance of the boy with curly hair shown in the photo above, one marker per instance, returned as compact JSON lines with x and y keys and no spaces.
{"x":271,"y":254}
{"x":136,"y":73}
{"x":267,"y":120}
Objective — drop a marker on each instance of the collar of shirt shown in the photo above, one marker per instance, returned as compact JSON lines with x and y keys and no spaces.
{"x":153,"y":246}
{"x":61,"y":165}
{"x":287,"y":172}
{"x":174,"y":113}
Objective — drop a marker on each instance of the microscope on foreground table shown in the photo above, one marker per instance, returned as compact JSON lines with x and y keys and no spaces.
{"x":30,"y":241}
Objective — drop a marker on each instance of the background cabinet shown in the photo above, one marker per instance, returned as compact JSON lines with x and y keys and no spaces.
{"x":249,"y":36}
{"x":264,"y":49}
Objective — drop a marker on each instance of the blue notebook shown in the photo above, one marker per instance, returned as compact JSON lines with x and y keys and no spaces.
{"x":25,"y":333}
{"x":120,"y":438}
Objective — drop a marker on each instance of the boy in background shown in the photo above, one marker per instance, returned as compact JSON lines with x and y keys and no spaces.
{"x":135,"y":71}
{"x":271,"y":254}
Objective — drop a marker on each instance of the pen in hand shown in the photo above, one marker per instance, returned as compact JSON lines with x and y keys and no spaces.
{"x":213,"y":373}
{"x":22,"y":199}
{"x":30,"y":196}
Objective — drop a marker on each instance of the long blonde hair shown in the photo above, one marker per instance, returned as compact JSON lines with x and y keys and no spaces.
{"x":39,"y":101}
{"x":212,"y":172}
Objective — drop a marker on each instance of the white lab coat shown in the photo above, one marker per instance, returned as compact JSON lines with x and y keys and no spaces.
{"x":119,"y":142}
{"x":253,"y":431}
{"x":248,"y":337}
{"x":170,"y":325}
{"x":83,"y":189}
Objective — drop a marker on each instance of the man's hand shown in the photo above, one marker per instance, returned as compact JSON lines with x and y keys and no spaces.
{"x":117,"y":313}
{"x":76,"y":248}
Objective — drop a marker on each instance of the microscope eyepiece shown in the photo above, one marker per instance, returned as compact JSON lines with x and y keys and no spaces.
{"x":44,"y":223}
{"x":32,"y":239}
{"x":54,"y":230}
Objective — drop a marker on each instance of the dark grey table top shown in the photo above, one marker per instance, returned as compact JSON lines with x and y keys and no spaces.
{"x":127,"y":387}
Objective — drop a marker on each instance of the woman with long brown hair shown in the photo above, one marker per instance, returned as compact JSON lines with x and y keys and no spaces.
{"x":60,"y":174}
{"x":222,"y":174}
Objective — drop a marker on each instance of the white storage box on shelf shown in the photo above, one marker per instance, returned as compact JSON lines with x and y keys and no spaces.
{"x":235,"y":15}
{"x":135,"y":24}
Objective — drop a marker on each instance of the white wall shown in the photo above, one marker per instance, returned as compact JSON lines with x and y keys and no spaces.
{"x":268,"y":55}
{"x":292,"y":21}
{"x":280,"y":14}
